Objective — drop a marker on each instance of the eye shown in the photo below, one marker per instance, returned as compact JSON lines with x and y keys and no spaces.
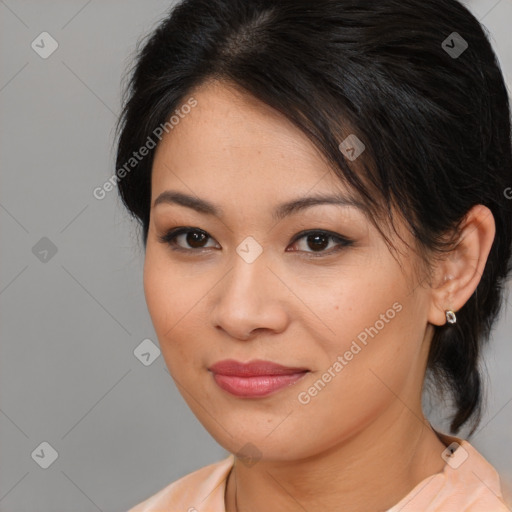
{"x":319,"y":241}
{"x":190,"y":239}
{"x":195,"y":238}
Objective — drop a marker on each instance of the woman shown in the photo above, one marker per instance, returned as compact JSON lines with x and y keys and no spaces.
{"x":322,"y":189}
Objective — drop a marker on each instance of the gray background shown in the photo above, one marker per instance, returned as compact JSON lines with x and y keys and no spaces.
{"x":70,"y":324}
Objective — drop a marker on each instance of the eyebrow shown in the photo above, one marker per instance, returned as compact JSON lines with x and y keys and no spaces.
{"x":281,"y":211}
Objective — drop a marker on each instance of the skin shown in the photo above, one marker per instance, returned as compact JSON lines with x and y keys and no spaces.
{"x":362,"y":443}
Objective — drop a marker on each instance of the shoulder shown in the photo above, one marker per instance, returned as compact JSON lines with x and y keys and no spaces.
{"x":200,"y":490}
{"x":468,"y":483}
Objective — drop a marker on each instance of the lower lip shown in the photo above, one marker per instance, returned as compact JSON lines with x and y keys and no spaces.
{"x":255,"y":386}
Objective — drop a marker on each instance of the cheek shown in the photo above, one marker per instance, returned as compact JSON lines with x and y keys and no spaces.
{"x":360,"y":379}
{"x":169,"y":295}
{"x":157,"y":291}
{"x":370,"y":333}
{"x":174,"y":300}
{"x":356,"y":306}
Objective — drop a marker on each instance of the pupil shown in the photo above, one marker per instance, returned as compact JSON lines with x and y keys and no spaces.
{"x":317,"y":242}
{"x":195,"y":239}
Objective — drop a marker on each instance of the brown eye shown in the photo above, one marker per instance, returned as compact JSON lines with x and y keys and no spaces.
{"x":319,"y":241}
{"x":196,"y":238}
{"x":187,"y":239}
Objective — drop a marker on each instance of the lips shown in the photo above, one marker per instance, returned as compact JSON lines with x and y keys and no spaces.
{"x":254,"y":379}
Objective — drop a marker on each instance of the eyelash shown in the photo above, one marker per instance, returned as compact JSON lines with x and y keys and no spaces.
{"x":169,"y":238}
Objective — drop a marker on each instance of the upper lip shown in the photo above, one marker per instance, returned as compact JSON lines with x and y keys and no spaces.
{"x":253,"y":368}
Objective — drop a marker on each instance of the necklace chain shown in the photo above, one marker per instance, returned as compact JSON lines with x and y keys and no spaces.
{"x":236,"y":491}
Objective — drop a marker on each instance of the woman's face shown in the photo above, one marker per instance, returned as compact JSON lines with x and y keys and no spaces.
{"x":249,"y":288}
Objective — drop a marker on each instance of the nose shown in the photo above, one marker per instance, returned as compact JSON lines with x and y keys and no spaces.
{"x":250,"y":299}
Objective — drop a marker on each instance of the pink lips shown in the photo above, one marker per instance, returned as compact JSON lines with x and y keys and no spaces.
{"x":254,"y":379}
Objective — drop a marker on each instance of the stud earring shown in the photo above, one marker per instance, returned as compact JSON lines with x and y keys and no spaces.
{"x":450,"y":316}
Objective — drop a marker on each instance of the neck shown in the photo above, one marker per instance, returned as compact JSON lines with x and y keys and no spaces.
{"x":370,"y":471}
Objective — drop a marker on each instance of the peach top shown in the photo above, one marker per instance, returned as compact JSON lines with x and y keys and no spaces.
{"x":467,"y":483}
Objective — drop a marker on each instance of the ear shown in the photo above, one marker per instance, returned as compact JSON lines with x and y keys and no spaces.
{"x":457,"y":274}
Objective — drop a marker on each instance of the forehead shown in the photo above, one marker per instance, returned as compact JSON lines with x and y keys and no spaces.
{"x":230,"y":135}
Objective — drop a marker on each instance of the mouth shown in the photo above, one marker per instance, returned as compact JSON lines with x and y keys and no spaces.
{"x":254,"y":379}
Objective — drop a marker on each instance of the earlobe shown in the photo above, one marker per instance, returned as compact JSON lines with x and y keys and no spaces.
{"x":442,"y":297}
{"x":460,"y":271}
